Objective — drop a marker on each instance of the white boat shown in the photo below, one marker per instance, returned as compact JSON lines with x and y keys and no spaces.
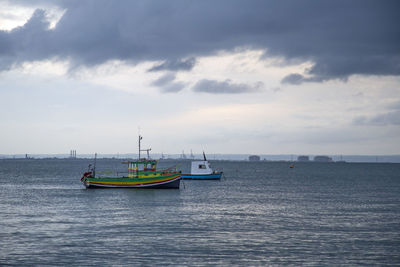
{"x":201,"y":170}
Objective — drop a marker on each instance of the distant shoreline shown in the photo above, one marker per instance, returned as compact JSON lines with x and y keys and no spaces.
{"x":217,"y":157}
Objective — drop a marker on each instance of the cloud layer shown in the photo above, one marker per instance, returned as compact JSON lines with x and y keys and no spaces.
{"x":167,"y":83}
{"x":341,"y":38}
{"x":225,"y":87}
{"x":390,"y":117}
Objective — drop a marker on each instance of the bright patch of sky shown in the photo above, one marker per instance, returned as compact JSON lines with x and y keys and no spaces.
{"x":12,"y":16}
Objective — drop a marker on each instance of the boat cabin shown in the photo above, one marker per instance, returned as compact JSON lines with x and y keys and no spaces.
{"x":134,"y":167}
{"x":201,"y":167}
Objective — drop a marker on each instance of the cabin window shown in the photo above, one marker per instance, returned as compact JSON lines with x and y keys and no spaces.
{"x":202,"y":166}
{"x":141,"y":167}
{"x":132,"y":166}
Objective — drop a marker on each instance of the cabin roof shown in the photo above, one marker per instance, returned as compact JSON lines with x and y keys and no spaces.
{"x":199,"y":161}
{"x":142,"y":161}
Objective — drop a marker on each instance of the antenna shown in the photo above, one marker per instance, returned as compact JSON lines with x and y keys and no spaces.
{"x":147,"y":150}
{"x":140,"y":138}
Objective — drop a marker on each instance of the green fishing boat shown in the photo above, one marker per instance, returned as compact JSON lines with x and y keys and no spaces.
{"x":142,"y":173}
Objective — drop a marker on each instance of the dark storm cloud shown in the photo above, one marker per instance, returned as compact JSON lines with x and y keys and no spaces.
{"x":225,"y":87}
{"x":173,"y":87}
{"x":163,"y":80}
{"x":297,"y":79}
{"x":175,"y":65}
{"x":167,"y":83}
{"x":293,"y":79}
{"x":341,"y":37}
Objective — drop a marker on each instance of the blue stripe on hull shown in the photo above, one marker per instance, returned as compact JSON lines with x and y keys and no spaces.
{"x":213,"y":176}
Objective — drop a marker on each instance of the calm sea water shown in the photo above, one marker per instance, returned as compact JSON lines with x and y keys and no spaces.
{"x":261,"y":214}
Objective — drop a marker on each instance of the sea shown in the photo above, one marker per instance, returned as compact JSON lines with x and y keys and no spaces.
{"x":259,"y":214}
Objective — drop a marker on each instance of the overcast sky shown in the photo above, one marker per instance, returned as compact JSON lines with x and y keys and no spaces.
{"x":263,"y":77}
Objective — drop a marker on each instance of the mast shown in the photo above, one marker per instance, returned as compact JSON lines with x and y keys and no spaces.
{"x":140,"y":138}
{"x":140,"y":150}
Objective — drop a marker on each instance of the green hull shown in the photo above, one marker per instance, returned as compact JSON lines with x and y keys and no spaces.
{"x":159,"y":181}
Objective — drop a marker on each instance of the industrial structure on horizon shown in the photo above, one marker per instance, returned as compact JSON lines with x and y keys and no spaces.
{"x":303,"y":158}
{"x":254,"y":158}
{"x":72,"y":154}
{"x":316,"y":159}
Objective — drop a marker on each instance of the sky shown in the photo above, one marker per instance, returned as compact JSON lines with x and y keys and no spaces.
{"x":227,"y":76}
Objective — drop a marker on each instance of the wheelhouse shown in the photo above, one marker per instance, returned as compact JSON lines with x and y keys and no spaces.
{"x":142,"y":166}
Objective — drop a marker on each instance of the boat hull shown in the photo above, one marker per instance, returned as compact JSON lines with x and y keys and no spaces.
{"x":212,"y":176}
{"x":172,"y":182}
